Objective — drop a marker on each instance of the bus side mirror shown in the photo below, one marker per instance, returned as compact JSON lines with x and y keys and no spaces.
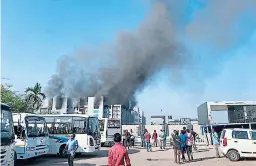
{"x":85,"y":131}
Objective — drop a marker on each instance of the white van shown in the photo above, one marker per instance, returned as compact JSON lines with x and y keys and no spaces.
{"x":238,"y":143}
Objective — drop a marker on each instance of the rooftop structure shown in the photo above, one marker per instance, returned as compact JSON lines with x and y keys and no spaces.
{"x":226,"y":112}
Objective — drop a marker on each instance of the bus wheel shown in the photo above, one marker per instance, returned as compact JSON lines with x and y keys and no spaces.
{"x":62,"y":151}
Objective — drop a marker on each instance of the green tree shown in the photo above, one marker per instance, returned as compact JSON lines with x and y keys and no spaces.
{"x":13,"y":99}
{"x":35,"y":96}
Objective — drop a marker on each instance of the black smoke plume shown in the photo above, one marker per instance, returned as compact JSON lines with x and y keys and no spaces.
{"x":137,"y":57}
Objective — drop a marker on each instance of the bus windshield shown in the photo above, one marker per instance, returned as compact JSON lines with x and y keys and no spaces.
{"x":79,"y":125}
{"x":7,"y":132}
{"x":114,"y":123}
{"x":101,"y":124}
{"x":36,"y":126}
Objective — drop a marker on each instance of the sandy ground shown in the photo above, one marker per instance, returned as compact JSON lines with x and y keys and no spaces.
{"x":139,"y":157}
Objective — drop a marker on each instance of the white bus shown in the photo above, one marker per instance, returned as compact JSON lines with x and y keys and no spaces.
{"x":32,"y":138}
{"x":62,"y":126}
{"x":8,"y":154}
{"x":108,"y":127}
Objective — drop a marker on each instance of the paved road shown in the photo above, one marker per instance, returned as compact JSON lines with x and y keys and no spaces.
{"x":205,"y":157}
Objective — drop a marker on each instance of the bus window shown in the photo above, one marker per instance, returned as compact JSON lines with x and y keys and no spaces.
{"x":114,"y":123}
{"x":253,"y":126}
{"x":7,"y":130}
{"x":63,"y":125}
{"x":79,"y":125}
{"x":50,"y":124}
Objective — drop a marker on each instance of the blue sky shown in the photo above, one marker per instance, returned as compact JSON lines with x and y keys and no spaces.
{"x":35,"y":34}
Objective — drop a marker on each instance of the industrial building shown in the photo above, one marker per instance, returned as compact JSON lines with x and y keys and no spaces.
{"x":64,"y":105}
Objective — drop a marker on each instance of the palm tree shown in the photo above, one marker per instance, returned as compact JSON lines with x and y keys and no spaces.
{"x":34,"y":96}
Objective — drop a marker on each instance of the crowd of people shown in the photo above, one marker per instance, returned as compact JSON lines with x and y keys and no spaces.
{"x":128,"y":139}
{"x":183,"y":142}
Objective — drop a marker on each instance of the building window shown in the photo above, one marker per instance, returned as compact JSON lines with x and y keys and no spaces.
{"x":59,"y":102}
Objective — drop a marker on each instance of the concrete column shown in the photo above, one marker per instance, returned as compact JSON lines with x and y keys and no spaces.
{"x":64,"y":103}
{"x":54,"y":100}
{"x":245,"y":113}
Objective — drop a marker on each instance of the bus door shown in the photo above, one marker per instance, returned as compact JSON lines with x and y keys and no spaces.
{"x":103,"y":129}
{"x":20,"y":134}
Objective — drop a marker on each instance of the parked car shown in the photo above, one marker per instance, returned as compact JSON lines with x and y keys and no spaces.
{"x":238,"y":143}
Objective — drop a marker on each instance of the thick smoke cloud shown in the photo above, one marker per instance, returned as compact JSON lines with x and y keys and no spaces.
{"x":137,"y":57}
{"x":220,"y":23}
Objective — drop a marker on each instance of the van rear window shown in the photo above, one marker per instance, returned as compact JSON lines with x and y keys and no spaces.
{"x":223,"y":134}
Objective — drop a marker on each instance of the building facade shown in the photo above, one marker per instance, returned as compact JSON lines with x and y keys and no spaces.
{"x":64,"y":105}
{"x":227,"y":112}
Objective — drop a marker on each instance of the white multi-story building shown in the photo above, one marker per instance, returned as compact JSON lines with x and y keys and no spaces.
{"x":64,"y":105}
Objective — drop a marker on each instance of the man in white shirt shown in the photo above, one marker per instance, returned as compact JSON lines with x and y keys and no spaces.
{"x":71,"y":148}
{"x":161,"y":138}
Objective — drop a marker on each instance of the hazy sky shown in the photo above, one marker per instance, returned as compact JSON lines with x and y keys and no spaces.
{"x":35,"y":34}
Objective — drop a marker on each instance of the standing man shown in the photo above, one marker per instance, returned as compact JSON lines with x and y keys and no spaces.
{"x":183,"y":138}
{"x":165,"y":136}
{"x":194,"y":138}
{"x":172,"y":137}
{"x":143,"y":143}
{"x":147,"y":137}
{"x":132,"y":138}
{"x":176,"y":146}
{"x":127,"y":139}
{"x":154,"y":137}
{"x":161,"y":138}
{"x":118,"y":154}
{"x":215,"y":140}
{"x":71,"y":148}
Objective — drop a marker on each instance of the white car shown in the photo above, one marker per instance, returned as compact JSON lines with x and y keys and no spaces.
{"x":238,"y":143}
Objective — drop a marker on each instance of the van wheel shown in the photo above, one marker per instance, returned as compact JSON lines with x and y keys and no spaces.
{"x":102,"y":144}
{"x":233,"y":155}
{"x":62,"y":151}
